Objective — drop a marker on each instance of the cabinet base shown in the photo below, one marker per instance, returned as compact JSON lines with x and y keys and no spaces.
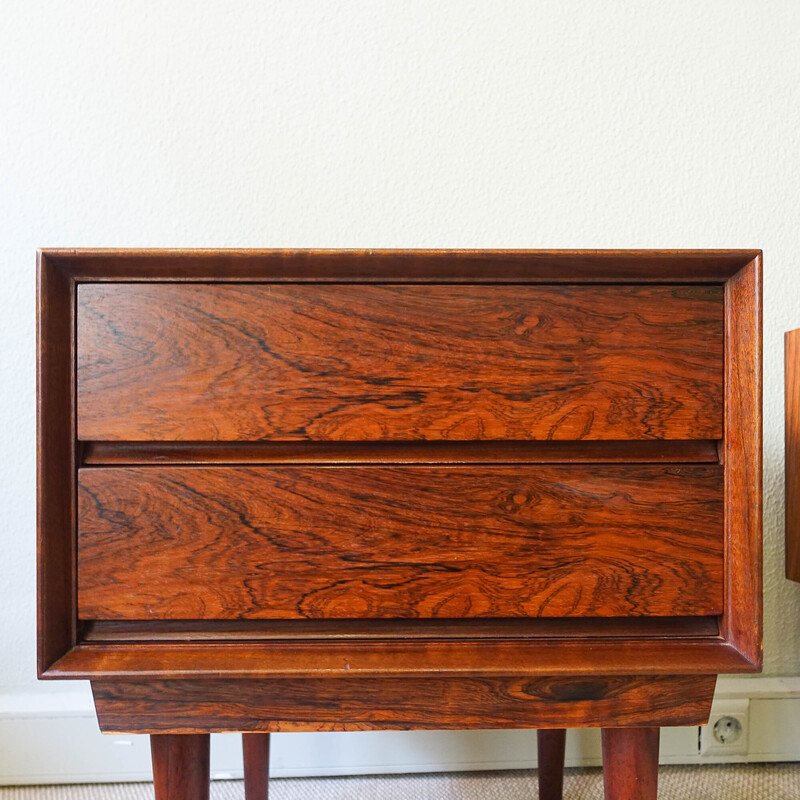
{"x":415,"y":703}
{"x":180,"y":715}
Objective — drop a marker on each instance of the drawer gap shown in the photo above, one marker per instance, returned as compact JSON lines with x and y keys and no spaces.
{"x":655,"y":451}
{"x":129,"y":631}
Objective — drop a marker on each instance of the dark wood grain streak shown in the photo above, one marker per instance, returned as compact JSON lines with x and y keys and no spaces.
{"x":55,"y":464}
{"x":380,"y":542}
{"x":388,"y":363}
{"x":428,"y":702}
{"x":792,"y":394}
{"x":560,"y":655}
{"x":630,"y":763}
{"x":244,"y":630}
{"x":395,"y":266}
{"x":742,"y":622}
{"x":653,"y":451}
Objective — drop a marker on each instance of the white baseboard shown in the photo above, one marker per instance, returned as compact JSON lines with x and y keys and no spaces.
{"x":54,"y":738}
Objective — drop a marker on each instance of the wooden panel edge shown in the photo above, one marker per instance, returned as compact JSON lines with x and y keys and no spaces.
{"x":55,"y":464}
{"x":431,"y":702}
{"x":404,"y":266}
{"x":679,"y":656}
{"x":742,"y":622}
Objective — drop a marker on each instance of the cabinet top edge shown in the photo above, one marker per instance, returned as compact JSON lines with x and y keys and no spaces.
{"x":395,"y":266}
{"x":742,"y":254}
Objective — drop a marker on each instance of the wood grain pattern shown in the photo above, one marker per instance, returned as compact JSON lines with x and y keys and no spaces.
{"x":430,"y":702}
{"x":630,"y":763}
{"x":382,"y":542}
{"x":792,"y":373}
{"x":384,"y":363}
{"x":742,"y":622}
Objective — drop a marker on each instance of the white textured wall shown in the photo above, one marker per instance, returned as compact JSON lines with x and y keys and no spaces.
{"x":392,"y":124}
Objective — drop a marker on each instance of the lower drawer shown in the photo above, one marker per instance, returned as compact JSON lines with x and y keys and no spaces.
{"x":287,"y":542}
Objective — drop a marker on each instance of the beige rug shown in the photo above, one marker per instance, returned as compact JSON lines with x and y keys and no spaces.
{"x":727,"y":782}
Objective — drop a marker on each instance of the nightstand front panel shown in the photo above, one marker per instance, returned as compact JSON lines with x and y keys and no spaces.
{"x":411,"y":703}
{"x":380,"y":363}
{"x":285,"y":542}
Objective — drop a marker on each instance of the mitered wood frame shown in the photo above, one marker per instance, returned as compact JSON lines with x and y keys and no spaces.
{"x":737,"y":646}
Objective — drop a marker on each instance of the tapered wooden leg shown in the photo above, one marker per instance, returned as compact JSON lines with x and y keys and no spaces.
{"x":256,"y":765}
{"x":550,"y":746}
{"x":180,"y":765}
{"x":630,"y":763}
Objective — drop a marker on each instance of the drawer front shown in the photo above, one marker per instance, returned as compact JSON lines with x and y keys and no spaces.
{"x":399,"y":542}
{"x":222,"y":362}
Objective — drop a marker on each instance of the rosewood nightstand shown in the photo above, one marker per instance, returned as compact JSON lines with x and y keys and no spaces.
{"x":340,"y":490}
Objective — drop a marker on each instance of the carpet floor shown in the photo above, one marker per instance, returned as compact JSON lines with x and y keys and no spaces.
{"x":724,"y":782}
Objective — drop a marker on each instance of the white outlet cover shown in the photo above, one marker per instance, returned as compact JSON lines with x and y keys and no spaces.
{"x":739,"y":710}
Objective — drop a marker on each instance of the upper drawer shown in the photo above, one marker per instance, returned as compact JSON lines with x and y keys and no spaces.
{"x":223,"y":362}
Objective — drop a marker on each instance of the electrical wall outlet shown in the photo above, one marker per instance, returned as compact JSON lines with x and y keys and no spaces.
{"x":728,"y":728}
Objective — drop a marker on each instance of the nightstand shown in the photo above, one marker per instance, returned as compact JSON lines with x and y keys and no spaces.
{"x":354,"y":490}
